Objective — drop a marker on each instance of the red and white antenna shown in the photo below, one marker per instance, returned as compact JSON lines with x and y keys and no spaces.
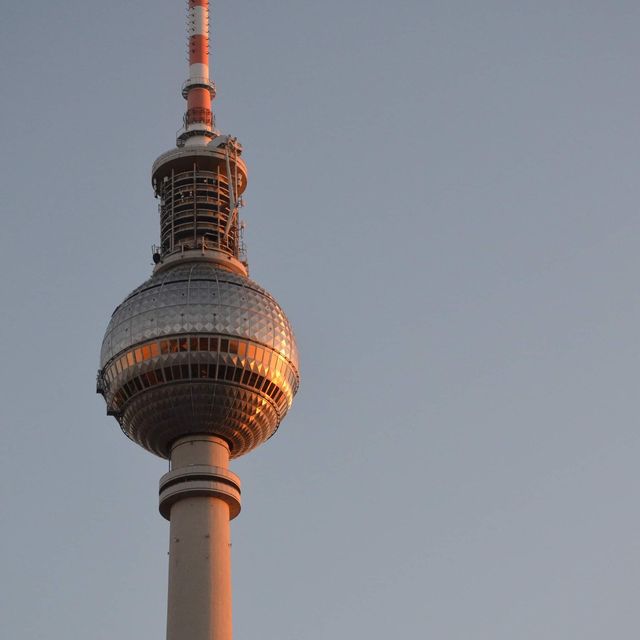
{"x":199,"y":90}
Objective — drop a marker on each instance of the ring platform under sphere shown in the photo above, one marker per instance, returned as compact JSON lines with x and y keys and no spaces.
{"x":198,"y":350}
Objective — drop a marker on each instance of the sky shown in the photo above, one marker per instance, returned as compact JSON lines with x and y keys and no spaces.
{"x":443,"y":198}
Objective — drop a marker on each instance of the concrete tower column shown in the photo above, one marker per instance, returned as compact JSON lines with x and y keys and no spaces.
{"x":199,"y":496}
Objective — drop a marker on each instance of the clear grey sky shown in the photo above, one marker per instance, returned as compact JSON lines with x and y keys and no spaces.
{"x":444,"y":198}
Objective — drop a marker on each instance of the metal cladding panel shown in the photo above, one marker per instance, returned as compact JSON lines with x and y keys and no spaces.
{"x":199,"y":297}
{"x":239,"y":393}
{"x":159,"y":416}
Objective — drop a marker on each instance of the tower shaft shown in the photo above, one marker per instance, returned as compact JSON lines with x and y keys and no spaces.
{"x":199,"y":496}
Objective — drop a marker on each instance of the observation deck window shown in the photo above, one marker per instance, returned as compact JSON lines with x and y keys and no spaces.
{"x":279,"y":384}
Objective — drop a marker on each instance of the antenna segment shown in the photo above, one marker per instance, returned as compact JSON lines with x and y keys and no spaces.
{"x":199,"y":90}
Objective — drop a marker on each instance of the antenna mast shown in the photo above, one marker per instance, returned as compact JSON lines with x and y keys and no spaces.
{"x":200,"y":184}
{"x":199,"y":90}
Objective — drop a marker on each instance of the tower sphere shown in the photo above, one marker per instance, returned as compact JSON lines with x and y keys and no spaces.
{"x":198,"y":349}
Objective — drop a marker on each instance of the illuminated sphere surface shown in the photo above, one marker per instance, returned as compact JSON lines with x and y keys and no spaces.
{"x":197,"y":349}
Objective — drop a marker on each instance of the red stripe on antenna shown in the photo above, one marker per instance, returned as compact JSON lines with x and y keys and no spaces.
{"x":198,"y":50}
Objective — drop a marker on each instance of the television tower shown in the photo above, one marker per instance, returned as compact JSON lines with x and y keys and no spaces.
{"x":199,"y":363}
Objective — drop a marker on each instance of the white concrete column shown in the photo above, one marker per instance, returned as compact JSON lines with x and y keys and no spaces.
{"x":200,"y":496}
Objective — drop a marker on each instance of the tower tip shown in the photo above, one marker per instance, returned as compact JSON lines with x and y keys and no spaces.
{"x":199,"y":90}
